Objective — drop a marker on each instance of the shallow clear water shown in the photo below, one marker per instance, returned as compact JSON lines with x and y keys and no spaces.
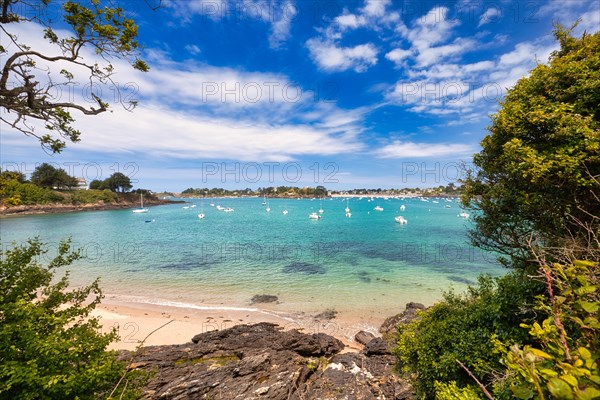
{"x":364,"y":264}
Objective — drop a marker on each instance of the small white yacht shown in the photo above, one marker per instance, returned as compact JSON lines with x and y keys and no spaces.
{"x":401,"y":220}
{"x":402,"y":207}
{"x":378,"y":208}
{"x":141,"y":209}
{"x":314,"y":216}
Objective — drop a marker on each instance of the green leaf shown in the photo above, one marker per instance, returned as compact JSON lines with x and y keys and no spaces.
{"x":584,"y":353}
{"x":540,"y":353}
{"x":589,"y":306}
{"x":588,"y":394}
{"x":522,"y":392}
{"x":560,"y":389}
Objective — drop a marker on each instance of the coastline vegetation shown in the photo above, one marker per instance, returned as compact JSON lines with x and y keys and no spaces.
{"x":534,"y":333}
{"x":49,"y":185}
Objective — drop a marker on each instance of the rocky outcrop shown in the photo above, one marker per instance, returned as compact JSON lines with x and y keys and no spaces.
{"x":363,"y":337}
{"x":391,"y":324}
{"x":262,"y":361}
{"x":55,"y":208}
{"x":263,"y":298}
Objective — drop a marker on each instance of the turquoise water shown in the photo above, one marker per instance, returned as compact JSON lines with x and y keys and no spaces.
{"x":364,"y":264}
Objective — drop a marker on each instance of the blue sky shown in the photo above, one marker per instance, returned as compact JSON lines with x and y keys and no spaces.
{"x":344,"y":94}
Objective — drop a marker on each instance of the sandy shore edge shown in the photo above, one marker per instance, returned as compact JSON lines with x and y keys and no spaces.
{"x":135,"y":321}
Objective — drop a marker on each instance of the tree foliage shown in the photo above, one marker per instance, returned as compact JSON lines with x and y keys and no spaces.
{"x":537,"y":173}
{"x":30,"y":79}
{"x":45,"y":175}
{"x":536,"y":192}
{"x":50,"y":346}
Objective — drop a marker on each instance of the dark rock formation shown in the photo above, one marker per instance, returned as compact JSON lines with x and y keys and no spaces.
{"x":377,"y":347}
{"x":264,"y":298}
{"x":391,"y":324}
{"x":327,"y":314}
{"x":304,"y":268}
{"x":363,"y":337}
{"x":263,"y":362}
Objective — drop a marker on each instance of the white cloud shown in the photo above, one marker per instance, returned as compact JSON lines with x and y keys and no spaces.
{"x":281,"y":24}
{"x":330,"y":57}
{"x":431,"y":55}
{"x":199,"y":111}
{"x":350,"y":21}
{"x":490,"y":15}
{"x":398,"y":56}
{"x":278,"y":14}
{"x":590,"y":21}
{"x":407,"y":150}
{"x":193,"y":49}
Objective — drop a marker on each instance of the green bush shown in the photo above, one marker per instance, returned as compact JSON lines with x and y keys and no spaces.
{"x":27,"y":192}
{"x":461,"y":327}
{"x":93,"y":196}
{"x":564,"y":365}
{"x":50,"y":348}
{"x":450,"y":391}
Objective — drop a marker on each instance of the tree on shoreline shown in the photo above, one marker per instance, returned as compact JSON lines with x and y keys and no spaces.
{"x":29,"y":79}
{"x":537,"y":173}
{"x":532,"y":334}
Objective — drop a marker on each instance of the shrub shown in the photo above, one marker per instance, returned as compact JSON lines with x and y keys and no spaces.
{"x":50,"y":347}
{"x":461,"y":327}
{"x":27,"y":192}
{"x":93,"y":196}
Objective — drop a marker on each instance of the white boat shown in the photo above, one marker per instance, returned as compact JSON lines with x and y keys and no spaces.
{"x":141,"y":209}
{"x":402,"y":207}
{"x":201,"y":215}
{"x":268,"y":209}
{"x":264,"y":203}
{"x":464,"y":214}
{"x":378,"y":208}
{"x":314,"y":216}
{"x":401,"y":220}
{"x":448,"y":206}
{"x":285,"y":212}
{"x":348,"y":215}
{"x":321,"y":211}
{"x":228,"y":209}
{"x":436,"y":202}
{"x":347,"y":210}
{"x":212,"y":204}
{"x":220,"y":208}
{"x":186,"y":207}
{"x":193,"y":206}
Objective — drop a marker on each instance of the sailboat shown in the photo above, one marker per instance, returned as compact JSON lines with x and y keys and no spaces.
{"x":201,"y":215}
{"x":321,"y":211}
{"x":347,"y":210}
{"x":141,"y":209}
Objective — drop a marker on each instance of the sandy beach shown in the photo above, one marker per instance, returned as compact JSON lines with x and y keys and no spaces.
{"x":135,"y":321}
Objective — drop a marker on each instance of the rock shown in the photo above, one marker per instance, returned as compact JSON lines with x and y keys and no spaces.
{"x":391,"y":324}
{"x":377,"y":346}
{"x":262,"y":361}
{"x":264,"y":298}
{"x":363,"y":337}
{"x":267,"y":335}
{"x":327,"y":314}
{"x":304,"y":268}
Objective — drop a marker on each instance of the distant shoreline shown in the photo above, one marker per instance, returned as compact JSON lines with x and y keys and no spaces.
{"x":59,"y":208}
